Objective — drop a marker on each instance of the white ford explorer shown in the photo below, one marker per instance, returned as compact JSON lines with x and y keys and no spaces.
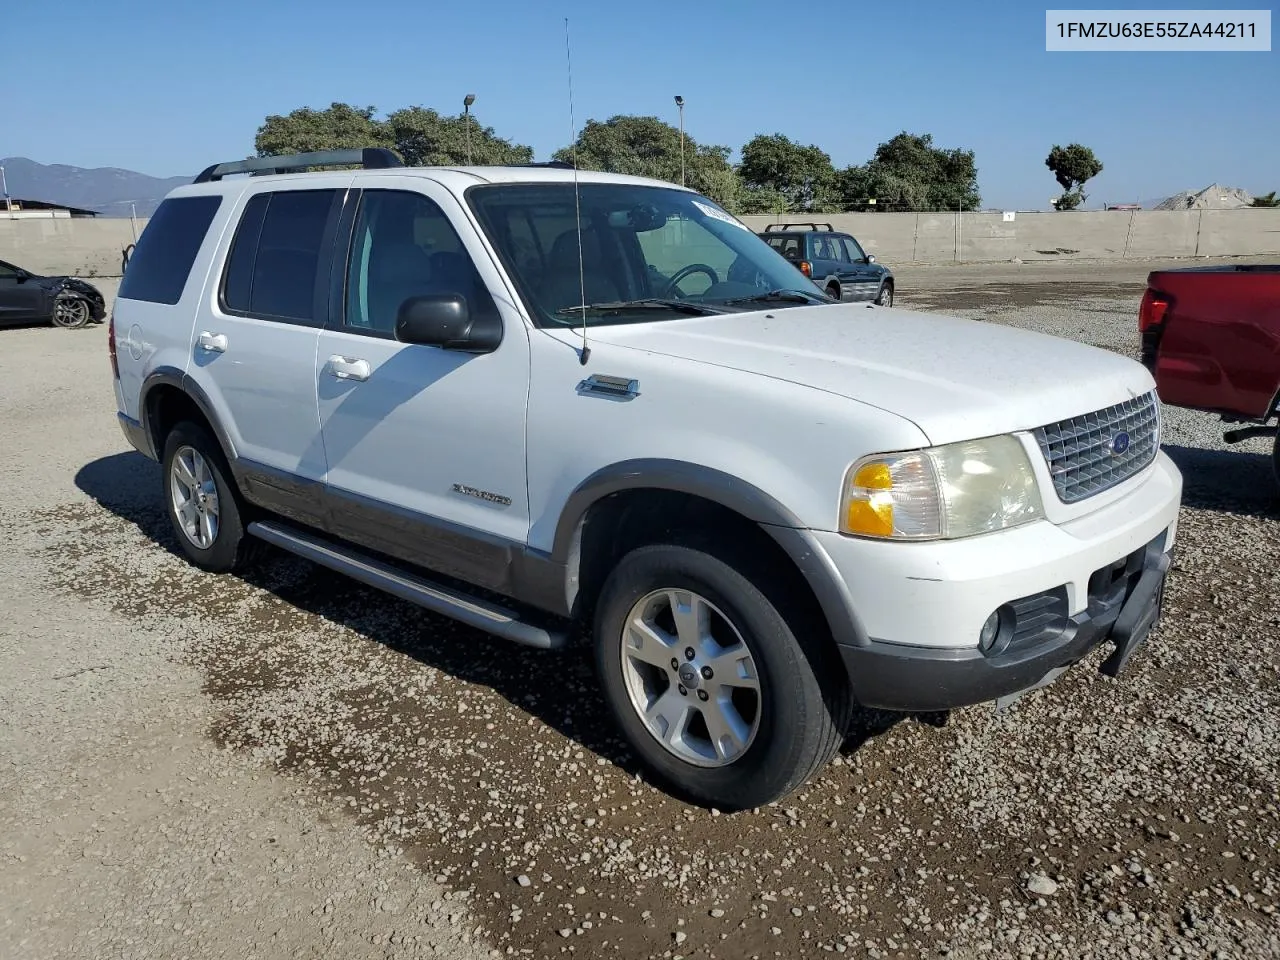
{"x":525,"y":397}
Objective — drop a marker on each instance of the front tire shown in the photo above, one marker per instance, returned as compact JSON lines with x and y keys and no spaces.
{"x":728,"y":700}
{"x":885,"y":297}
{"x":70,"y":312}
{"x":204,"y":506}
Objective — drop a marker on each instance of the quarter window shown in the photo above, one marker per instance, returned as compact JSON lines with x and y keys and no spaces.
{"x":162,"y":259}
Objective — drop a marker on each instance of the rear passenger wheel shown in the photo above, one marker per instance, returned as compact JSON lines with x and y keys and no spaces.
{"x":204,"y":506}
{"x":711,"y":682}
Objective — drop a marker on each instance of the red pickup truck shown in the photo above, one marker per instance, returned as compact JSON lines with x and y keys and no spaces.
{"x":1211,"y":338}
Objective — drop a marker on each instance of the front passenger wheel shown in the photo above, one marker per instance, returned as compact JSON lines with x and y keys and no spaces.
{"x":70,"y":312}
{"x":203,"y":504}
{"x":727,"y":699}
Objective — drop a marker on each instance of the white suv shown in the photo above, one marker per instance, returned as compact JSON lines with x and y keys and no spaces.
{"x":603,"y":398}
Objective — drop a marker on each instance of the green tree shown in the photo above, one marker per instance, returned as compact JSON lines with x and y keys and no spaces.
{"x":424,"y":138}
{"x":909,"y":173}
{"x":1072,"y":166}
{"x":421,"y":136}
{"x":1266,"y":200}
{"x":775,"y":166}
{"x":305,"y":130}
{"x":649,"y":147}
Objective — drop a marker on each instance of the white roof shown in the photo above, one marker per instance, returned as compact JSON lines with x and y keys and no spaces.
{"x":456,"y":178}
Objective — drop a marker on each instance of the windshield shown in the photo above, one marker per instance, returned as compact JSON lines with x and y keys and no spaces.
{"x":647,"y":253}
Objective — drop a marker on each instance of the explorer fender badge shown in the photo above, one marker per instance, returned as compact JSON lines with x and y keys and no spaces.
{"x":484,"y":495}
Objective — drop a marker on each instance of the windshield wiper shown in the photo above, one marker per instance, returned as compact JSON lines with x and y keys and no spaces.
{"x":649,"y":303}
{"x":782,"y":296}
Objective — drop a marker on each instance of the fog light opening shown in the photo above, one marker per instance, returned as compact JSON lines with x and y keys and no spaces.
{"x":990,"y":630}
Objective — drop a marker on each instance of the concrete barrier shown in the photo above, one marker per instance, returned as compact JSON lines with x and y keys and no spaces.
{"x":1075,"y":235}
{"x":82,"y":248}
{"x":92,"y":247}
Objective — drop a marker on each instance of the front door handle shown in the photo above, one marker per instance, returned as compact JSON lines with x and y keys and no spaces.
{"x":349,"y":368}
{"x":213,"y":342}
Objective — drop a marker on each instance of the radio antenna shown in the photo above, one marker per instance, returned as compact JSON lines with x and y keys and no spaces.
{"x":577,"y":202}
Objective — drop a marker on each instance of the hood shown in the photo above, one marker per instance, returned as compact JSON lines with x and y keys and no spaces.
{"x":955,"y":379}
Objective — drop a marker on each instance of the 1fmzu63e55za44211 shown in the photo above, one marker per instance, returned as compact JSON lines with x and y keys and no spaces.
{"x":608,"y":401}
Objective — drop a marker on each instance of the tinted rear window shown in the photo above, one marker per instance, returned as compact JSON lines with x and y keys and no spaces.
{"x":161,"y":262}
{"x":275,"y":258}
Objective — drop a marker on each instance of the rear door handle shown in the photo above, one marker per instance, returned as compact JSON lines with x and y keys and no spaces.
{"x":213,"y":342}
{"x":349,"y":368}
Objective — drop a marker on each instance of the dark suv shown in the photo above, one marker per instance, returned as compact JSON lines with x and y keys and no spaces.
{"x":834,"y":261}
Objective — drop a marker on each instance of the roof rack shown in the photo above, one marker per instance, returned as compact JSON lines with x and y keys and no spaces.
{"x":555,"y":164}
{"x":370,"y":158}
{"x":800,"y":223}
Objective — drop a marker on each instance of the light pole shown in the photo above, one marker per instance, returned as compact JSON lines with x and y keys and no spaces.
{"x":467,"y":101}
{"x":680,"y":106}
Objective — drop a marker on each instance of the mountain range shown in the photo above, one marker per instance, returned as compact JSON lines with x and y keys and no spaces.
{"x":109,"y":191}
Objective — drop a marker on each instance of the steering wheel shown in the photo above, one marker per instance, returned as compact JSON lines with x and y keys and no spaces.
{"x":673,"y":285}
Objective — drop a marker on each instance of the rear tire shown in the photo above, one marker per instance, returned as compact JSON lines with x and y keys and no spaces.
{"x":203,"y":503}
{"x":761,"y":705}
{"x":833,"y":291}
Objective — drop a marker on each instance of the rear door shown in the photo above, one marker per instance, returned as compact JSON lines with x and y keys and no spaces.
{"x":21,"y":299}
{"x":254,"y":342}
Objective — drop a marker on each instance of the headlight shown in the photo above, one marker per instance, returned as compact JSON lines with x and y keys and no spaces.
{"x":959,"y":490}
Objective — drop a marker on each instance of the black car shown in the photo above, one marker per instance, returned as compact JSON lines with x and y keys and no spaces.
{"x":833,"y":260}
{"x":26,"y":297}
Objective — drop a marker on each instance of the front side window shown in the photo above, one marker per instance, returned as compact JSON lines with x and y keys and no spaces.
{"x":855,"y":252}
{"x":646,"y":253}
{"x":404,"y":246}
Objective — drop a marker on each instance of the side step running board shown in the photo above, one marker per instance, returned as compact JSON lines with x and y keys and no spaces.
{"x":407,"y":586}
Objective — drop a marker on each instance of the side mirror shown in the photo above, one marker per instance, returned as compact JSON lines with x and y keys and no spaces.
{"x":22,"y":276}
{"x":871,"y":258}
{"x":445,"y":320}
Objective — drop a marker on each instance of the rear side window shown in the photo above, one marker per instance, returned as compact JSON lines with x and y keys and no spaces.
{"x":161,"y":262}
{"x":275,"y":257}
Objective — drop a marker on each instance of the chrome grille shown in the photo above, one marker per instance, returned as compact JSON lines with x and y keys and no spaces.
{"x":1096,"y":451}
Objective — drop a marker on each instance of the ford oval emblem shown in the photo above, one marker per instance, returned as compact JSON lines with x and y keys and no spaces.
{"x":1119,"y":444}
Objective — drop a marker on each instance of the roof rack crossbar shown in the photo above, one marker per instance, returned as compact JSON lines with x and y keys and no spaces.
{"x":554,"y":164}
{"x":799,"y":223}
{"x":370,"y":158}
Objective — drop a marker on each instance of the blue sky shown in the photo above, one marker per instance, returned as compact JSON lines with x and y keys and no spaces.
{"x":171,"y":87}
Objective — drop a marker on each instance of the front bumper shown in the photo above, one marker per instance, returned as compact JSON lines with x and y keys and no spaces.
{"x":915,"y":611}
{"x":1123,"y":611}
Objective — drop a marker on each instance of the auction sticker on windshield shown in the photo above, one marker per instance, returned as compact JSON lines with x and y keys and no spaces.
{"x":717,"y":214}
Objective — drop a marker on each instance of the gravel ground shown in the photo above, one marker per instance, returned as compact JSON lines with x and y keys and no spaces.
{"x":292,"y":764}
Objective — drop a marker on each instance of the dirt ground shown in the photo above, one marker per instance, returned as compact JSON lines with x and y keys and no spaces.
{"x":288,"y":764}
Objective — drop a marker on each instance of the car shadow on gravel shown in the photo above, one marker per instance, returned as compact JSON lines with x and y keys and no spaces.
{"x":558,"y":687}
{"x":1229,"y":481}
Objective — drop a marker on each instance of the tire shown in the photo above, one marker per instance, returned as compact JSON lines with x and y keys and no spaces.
{"x":833,"y":291}
{"x":1275,"y":460}
{"x":885,"y":297}
{"x":222,"y":545}
{"x":70,"y":312}
{"x":790,"y":727}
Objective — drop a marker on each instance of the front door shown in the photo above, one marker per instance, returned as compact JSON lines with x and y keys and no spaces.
{"x":866,"y":278}
{"x":21,"y":299}
{"x":425,"y":446}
